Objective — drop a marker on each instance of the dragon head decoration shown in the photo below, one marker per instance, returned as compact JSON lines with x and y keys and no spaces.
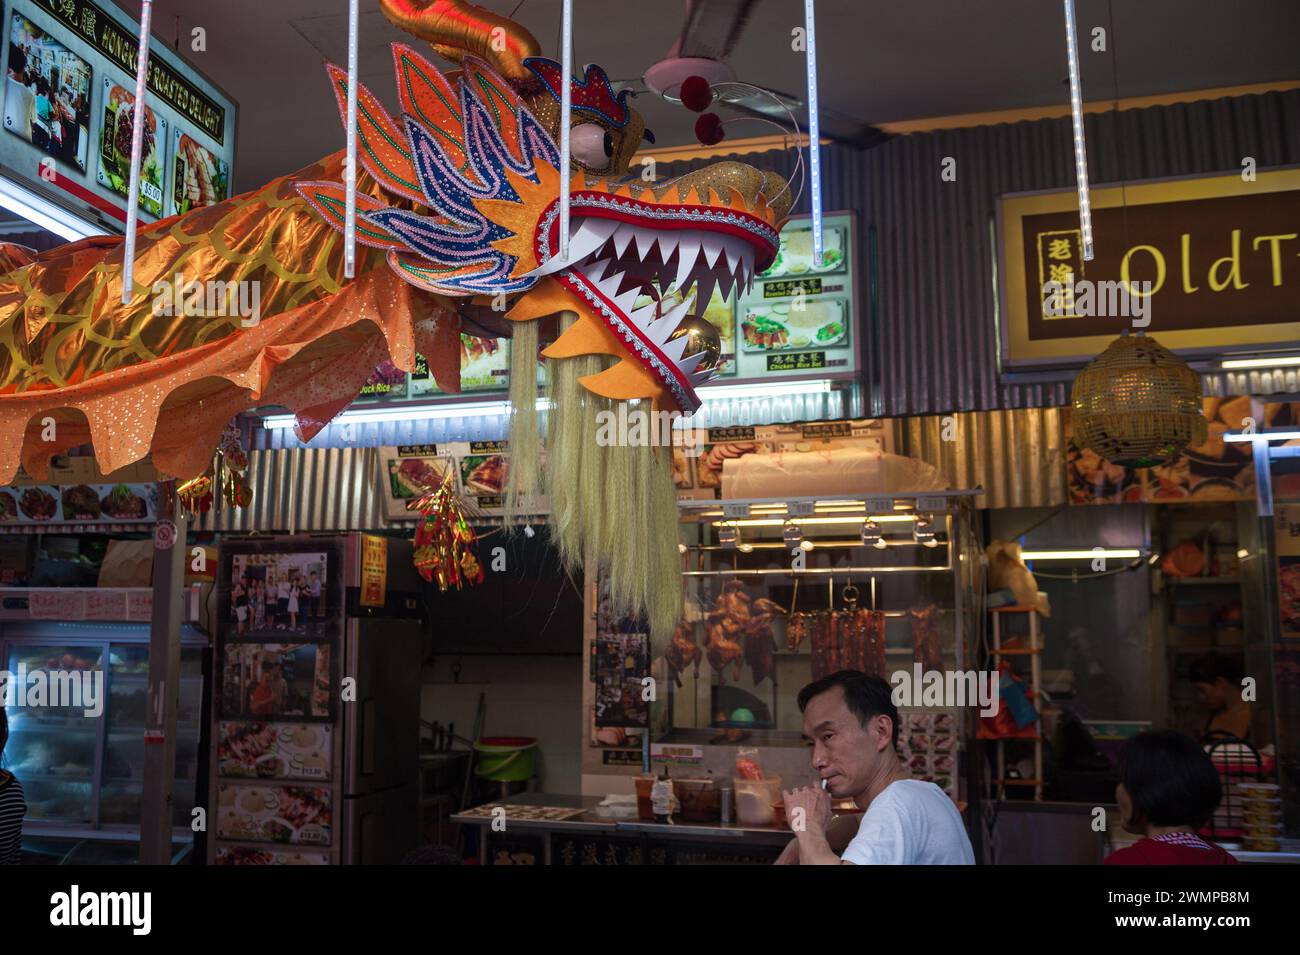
{"x":473,"y":174}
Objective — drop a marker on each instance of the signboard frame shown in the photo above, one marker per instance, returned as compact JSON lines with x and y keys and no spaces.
{"x":1016,"y":352}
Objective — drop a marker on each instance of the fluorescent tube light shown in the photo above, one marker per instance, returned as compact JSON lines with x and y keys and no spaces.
{"x":1117,"y":554}
{"x":766,"y":390}
{"x":1242,"y":437}
{"x":49,"y":216}
{"x":1278,"y":362}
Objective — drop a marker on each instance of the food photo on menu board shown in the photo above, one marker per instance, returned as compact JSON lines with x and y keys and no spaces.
{"x":279,"y":594}
{"x":262,"y":750}
{"x":297,"y":815}
{"x":47,"y":94}
{"x":483,"y":475}
{"x":276,"y":680}
{"x":386,"y":381}
{"x":115,"y":148}
{"x":199,"y":177}
{"x":484,"y":366}
{"x":414,"y":476}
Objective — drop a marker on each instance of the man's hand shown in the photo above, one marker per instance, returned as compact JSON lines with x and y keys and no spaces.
{"x":808,"y":809}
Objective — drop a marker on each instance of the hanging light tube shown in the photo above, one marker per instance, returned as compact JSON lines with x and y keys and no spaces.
{"x":1080,"y":148}
{"x":566,"y":107}
{"x":814,"y":131}
{"x":350,"y":172}
{"x":137,"y":151}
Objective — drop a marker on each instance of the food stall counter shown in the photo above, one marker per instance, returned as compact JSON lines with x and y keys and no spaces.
{"x":548,"y":818}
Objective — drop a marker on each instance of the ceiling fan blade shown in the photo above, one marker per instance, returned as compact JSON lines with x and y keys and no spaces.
{"x":712,"y":27}
{"x":834,"y":125}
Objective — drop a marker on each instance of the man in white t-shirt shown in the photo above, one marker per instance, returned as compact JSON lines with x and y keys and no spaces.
{"x":852,"y":724}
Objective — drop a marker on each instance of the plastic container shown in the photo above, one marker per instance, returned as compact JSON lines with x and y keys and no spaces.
{"x":506,"y":759}
{"x":756,"y":800}
{"x":644,"y":807}
{"x":700,"y":800}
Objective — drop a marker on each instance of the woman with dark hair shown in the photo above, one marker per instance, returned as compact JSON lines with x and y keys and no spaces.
{"x":1168,"y":789}
{"x":12,"y":806}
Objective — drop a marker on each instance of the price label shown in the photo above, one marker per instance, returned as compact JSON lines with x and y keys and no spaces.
{"x":734,"y":510}
{"x":932,"y":504}
{"x":880,"y":505}
{"x":799,"y":508}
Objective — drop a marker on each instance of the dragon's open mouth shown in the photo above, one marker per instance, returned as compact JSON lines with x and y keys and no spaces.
{"x":621,"y":249}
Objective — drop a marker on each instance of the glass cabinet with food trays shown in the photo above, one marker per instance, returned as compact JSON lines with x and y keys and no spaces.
{"x":82,"y":765}
{"x":781,"y":593}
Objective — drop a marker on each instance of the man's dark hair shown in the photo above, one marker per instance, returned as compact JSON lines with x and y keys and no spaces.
{"x":1213,"y":666}
{"x":865,"y":696}
{"x":1170,"y":779}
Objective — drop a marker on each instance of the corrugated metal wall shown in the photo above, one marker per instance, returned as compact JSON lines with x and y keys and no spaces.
{"x":1016,"y":456}
{"x":306,"y":489}
{"x":932,"y":341}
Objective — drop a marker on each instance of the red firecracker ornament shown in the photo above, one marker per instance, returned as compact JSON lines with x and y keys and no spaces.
{"x":708,"y":129}
{"x":696,"y":94}
{"x":444,"y":540}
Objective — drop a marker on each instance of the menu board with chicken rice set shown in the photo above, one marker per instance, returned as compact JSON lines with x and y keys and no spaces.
{"x":799,"y":319}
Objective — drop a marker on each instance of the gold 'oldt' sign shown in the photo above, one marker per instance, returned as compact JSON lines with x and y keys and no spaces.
{"x":1211,"y":265}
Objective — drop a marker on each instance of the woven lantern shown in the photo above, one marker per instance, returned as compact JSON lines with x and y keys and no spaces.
{"x":1137,"y":404}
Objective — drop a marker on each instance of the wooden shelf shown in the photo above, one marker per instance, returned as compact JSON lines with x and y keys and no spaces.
{"x":1026,"y":651}
{"x":1017,"y":608}
{"x":1200,"y":581}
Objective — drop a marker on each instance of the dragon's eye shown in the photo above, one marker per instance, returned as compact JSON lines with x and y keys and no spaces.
{"x":591,"y":145}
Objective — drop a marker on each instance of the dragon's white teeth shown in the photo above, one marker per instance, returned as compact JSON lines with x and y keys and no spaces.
{"x":645,"y":243}
{"x":688,"y":363}
{"x":711,"y":245}
{"x":643,"y":317}
{"x":688,"y":252}
{"x":674,"y":348}
{"x":621,"y":239}
{"x":623,"y":300}
{"x":661,"y":330}
{"x":596,"y":229}
{"x":667,"y":244}
{"x":725,"y":281}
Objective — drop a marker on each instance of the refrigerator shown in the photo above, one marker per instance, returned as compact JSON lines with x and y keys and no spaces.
{"x":82,"y":771}
{"x":315,"y":718}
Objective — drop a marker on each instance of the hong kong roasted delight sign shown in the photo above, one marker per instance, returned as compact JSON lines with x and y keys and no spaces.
{"x":1210,"y":266}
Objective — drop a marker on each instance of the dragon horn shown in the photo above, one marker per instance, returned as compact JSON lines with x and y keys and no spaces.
{"x":457,"y":29}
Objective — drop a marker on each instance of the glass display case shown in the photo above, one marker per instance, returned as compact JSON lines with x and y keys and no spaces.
{"x":779,"y":593}
{"x":82,"y":766}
